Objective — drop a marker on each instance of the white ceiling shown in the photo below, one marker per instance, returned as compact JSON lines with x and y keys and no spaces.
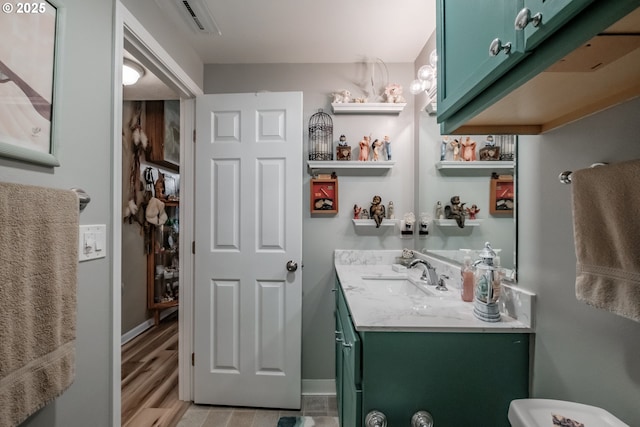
{"x":304,"y":31}
{"x":298,"y":31}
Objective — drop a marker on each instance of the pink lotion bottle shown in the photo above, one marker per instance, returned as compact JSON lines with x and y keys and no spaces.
{"x":468,"y":280}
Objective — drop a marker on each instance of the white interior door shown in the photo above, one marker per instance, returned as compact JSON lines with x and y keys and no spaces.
{"x":247,"y":332}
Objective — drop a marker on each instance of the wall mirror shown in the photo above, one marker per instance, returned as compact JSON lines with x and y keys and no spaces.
{"x":482,"y":171}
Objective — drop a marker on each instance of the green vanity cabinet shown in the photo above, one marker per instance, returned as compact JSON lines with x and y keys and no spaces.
{"x":461,"y":378}
{"x":470,"y":80}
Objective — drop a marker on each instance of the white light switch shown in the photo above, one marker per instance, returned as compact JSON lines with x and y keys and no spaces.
{"x":91,"y":243}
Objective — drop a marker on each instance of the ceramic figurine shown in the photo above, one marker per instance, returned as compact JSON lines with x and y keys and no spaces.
{"x":424,"y":223}
{"x":387,"y":146}
{"x":468,"y":147}
{"x":376,"y":146}
{"x":443,"y":148}
{"x":356,"y":211}
{"x":490,"y":151}
{"x":159,"y":187}
{"x":377,"y":210}
{"x":472,"y":211}
{"x":390,"y":211}
{"x":364,"y":148}
{"x":409,"y":220}
{"x":341,"y":96}
{"x":393,"y":93}
{"x":455,"y":146}
{"x":364,"y":214}
{"x":455,"y":211}
{"x":439,"y":210}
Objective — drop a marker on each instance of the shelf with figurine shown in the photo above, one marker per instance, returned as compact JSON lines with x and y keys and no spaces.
{"x":374,"y":155}
{"x":459,"y":153}
{"x":394,"y":102}
{"x":456,"y":214}
{"x":376,"y":216}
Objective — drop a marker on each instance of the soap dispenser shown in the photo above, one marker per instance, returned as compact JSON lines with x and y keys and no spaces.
{"x":467,"y":280}
{"x":487,"y":286}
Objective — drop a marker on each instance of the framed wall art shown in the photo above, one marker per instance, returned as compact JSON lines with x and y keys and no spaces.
{"x":29,"y":75}
{"x":324,"y":196}
{"x":501,"y":197}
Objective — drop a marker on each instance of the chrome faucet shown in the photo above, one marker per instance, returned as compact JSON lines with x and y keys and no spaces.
{"x":429,"y":274}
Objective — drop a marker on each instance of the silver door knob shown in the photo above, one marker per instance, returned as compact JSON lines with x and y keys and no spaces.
{"x":422,"y":419}
{"x":292,"y":266}
{"x":375,"y":419}
{"x":524,"y":17}
{"x":496,"y":46}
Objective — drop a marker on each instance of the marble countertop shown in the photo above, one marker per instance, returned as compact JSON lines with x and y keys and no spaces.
{"x":384,"y":305}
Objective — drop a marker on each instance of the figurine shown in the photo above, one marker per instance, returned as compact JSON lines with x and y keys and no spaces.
{"x":409,"y":220}
{"x":424,"y":223}
{"x":390,"y":211}
{"x":376,"y":147}
{"x":159,"y":187}
{"x":364,"y":148}
{"x":364,"y":214}
{"x":387,"y":146}
{"x":455,"y":146}
{"x":356,"y":211}
{"x":472,"y":211}
{"x":377,"y":210}
{"x":455,"y":211}
{"x":393,"y":93}
{"x":468,"y":150}
{"x":443,"y":148}
{"x":490,"y":151}
{"x":341,"y":97}
{"x":439,"y":210}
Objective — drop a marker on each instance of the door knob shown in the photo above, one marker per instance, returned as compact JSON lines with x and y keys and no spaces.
{"x":496,"y":46}
{"x":292,"y":266}
{"x":524,"y":17}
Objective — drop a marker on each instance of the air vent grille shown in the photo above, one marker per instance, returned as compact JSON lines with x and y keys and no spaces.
{"x":193,"y":16}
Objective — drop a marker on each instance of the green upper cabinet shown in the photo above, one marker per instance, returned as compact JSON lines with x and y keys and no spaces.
{"x":465,"y":32}
{"x":539,"y":18}
{"x":522,"y":91}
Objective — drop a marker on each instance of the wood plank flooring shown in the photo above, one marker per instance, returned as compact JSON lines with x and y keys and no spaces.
{"x":149,"y":378}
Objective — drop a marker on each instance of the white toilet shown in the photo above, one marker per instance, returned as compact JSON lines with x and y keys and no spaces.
{"x":540,"y":412}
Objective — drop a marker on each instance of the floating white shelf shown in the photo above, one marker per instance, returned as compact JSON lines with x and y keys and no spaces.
{"x":478,"y":164}
{"x":367,"y":107}
{"x":453,"y":223}
{"x":369,"y":223}
{"x":349,"y":164}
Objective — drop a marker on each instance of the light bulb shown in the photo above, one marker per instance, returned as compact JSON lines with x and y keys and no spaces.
{"x":416,"y":87}
{"x":131,"y":72}
{"x":425,"y":73}
{"x":433,"y":58}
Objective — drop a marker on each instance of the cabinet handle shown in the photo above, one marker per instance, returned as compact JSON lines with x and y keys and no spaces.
{"x":524,"y":17}
{"x":496,"y":46}
{"x":339,"y":340}
{"x":348,"y":345}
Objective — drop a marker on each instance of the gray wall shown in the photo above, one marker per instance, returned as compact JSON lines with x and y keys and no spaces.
{"x":323,"y":234}
{"x":582,"y":354}
{"x":84,"y":153}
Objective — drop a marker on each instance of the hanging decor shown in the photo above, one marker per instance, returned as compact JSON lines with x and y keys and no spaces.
{"x":320,"y":136}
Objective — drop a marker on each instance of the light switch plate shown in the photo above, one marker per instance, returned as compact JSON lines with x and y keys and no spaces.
{"x":91,"y":242}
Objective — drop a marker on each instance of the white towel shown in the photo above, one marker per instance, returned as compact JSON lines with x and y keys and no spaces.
{"x":606,"y":220}
{"x":38,"y":267}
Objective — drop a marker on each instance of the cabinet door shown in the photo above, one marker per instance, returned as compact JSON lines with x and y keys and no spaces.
{"x":464,"y":33}
{"x":339,"y":338}
{"x":351,"y":415}
{"x":554,"y":15}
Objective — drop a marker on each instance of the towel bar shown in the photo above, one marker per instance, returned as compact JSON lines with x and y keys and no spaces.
{"x":83,"y":197}
{"x":565,"y":177}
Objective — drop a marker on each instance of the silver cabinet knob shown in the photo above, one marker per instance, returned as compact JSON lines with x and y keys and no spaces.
{"x":422,"y":419}
{"x":524,"y":17}
{"x":292,"y":266}
{"x":496,"y":46}
{"x":375,"y":419}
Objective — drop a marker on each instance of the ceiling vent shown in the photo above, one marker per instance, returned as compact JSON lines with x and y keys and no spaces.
{"x":195,"y":13}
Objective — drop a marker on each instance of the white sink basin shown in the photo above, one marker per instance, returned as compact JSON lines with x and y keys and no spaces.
{"x":540,"y":412}
{"x":397,"y":286}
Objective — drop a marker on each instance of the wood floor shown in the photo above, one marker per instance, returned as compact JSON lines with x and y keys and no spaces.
{"x":150,"y":378}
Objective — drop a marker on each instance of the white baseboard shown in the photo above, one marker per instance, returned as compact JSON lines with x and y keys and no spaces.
{"x":128,"y":336}
{"x":319,"y":387}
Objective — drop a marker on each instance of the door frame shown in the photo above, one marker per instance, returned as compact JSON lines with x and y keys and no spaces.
{"x":142,"y":44}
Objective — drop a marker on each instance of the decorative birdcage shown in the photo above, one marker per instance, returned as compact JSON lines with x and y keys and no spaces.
{"x":507,"y":146}
{"x":320,"y":136}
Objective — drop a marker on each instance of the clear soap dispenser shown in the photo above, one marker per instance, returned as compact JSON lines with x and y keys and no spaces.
{"x":468,"y":280}
{"x":487,"y":286}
